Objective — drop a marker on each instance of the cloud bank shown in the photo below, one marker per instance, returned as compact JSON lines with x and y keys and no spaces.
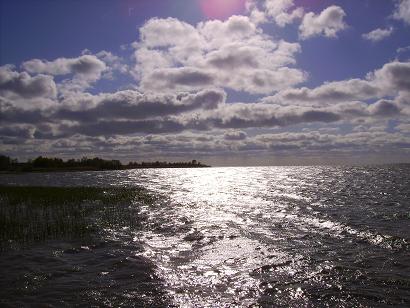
{"x":178,"y":103}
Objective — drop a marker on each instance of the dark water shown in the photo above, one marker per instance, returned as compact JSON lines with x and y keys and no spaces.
{"x":225,"y":237}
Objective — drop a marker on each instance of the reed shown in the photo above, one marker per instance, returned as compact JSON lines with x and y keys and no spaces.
{"x":34,"y":214}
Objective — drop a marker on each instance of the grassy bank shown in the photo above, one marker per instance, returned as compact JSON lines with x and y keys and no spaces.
{"x":34,"y":214}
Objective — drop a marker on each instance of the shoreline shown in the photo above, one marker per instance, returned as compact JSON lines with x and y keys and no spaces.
{"x":95,"y":170}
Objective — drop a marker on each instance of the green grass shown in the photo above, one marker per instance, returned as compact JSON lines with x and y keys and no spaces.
{"x":34,"y":214}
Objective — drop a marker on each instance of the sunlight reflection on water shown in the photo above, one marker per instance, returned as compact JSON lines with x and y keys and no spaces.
{"x":240,"y":219}
{"x":273,"y":236}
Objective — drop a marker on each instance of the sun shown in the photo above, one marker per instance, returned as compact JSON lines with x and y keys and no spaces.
{"x":222,"y":9}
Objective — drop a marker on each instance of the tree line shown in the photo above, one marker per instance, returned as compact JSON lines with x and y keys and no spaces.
{"x":57,"y":164}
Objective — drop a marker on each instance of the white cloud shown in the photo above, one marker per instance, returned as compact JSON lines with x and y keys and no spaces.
{"x":403,"y":49}
{"x":129,"y":112}
{"x":233,"y":54}
{"x":389,"y":80}
{"x":404,"y":127}
{"x":235,"y":135}
{"x":288,"y":18}
{"x":378,"y":34}
{"x":113,"y":64}
{"x":17,"y":85}
{"x":167,"y":32}
{"x":402,"y":11}
{"x":392,"y":77}
{"x":181,"y":69}
{"x":132,"y":104}
{"x":86,"y":70}
{"x":328,"y":23}
{"x":338,"y":91}
{"x":384,"y":108}
{"x":83,"y":65}
{"x":367,"y":141}
{"x":178,"y":79}
{"x":281,"y":12}
{"x":188,"y":144}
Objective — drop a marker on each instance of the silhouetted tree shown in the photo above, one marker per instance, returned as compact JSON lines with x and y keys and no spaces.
{"x":5,"y":162}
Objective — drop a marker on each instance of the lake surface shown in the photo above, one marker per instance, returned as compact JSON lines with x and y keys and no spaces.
{"x":267,"y":236}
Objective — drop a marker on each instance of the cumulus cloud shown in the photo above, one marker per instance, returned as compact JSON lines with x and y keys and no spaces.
{"x":384,"y":108}
{"x":130,"y":112}
{"x":21,"y":85}
{"x":235,"y":135}
{"x":167,"y":32}
{"x":114,"y":64}
{"x":236,"y":116}
{"x":180,"y":105}
{"x":403,"y":49}
{"x":403,"y":100}
{"x":328,"y":23}
{"x":393,"y":76}
{"x":12,"y":114}
{"x":282,"y":12}
{"x":239,"y":116}
{"x":123,"y":112}
{"x":378,"y":34}
{"x":339,"y":91}
{"x":402,"y":11}
{"x":21,"y":132}
{"x":85,"y":69}
{"x":180,"y":79}
{"x":188,"y":144}
{"x":316,"y":141}
{"x":388,"y":80}
{"x":135,"y":105}
{"x":404,"y":127}
{"x":84,"y":65}
{"x":234,"y":54}
{"x":232,"y":116}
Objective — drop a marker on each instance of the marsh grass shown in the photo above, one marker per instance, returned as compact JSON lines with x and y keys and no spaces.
{"x":33,"y":214}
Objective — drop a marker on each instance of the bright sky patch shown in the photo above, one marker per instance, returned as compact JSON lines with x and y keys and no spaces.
{"x":221,"y":81}
{"x":221,"y":9}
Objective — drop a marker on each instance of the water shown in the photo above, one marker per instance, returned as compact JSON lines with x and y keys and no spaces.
{"x":265,"y":236}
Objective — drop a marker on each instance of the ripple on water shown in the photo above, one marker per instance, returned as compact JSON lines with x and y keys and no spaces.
{"x":273,"y":236}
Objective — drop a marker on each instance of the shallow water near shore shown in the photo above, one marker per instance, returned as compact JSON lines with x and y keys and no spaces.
{"x":223,"y":237}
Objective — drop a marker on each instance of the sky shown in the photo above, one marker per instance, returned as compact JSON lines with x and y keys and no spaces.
{"x":226,"y":82}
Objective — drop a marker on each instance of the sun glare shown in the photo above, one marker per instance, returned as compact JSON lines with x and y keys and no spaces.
{"x":221,"y":9}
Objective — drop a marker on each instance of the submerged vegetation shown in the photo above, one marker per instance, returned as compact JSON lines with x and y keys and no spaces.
{"x":75,"y":246}
{"x":84,"y":164}
{"x":33,"y":214}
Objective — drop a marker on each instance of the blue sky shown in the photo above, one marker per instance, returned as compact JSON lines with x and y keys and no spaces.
{"x":91,"y":54}
{"x":51,"y":29}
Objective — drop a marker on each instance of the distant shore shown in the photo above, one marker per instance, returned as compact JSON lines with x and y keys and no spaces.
{"x":88,"y":170}
{"x":43,"y":164}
